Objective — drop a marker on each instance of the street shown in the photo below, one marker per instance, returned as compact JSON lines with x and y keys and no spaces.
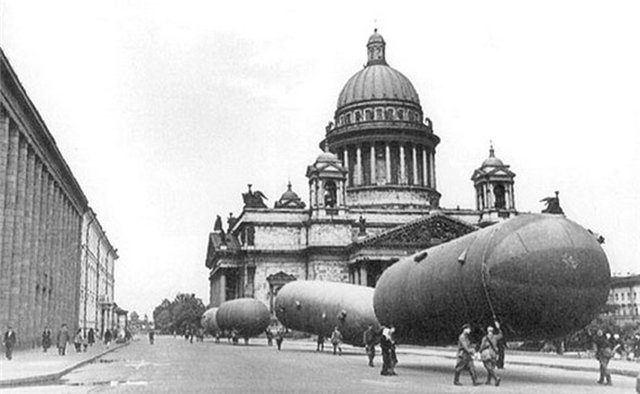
{"x":174,"y":365}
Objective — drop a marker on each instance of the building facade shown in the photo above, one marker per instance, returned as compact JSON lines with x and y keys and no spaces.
{"x":41,"y":221}
{"x":624,"y":299}
{"x":97,"y":300}
{"x":372,"y":198}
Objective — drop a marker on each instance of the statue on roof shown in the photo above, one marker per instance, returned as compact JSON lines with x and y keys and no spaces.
{"x":553,"y":205}
{"x":254,"y":199}
{"x":217,"y":227}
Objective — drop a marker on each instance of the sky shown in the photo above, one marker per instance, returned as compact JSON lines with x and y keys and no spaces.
{"x":165,"y":111}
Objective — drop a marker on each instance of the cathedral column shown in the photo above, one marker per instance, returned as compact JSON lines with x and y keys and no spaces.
{"x":358,"y":169}
{"x":415,"y":164}
{"x":403,"y":179}
{"x":223,"y":287}
{"x":345,"y":162}
{"x":372,"y":161}
{"x":432,"y":158}
{"x":363,"y":274}
{"x":424,"y":167}
{"x":387,"y":159}
{"x":8,"y":163}
{"x":312,"y":194}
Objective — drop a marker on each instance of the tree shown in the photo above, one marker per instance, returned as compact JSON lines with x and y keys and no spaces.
{"x":183,"y":312}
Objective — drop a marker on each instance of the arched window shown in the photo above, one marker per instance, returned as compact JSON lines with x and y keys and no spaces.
{"x":347,"y":118}
{"x":378,"y":113}
{"x":358,"y":116}
{"x":389,"y":114}
{"x":498,"y":192}
{"x":330,"y":194}
{"x":341,"y":120}
{"x":368,"y":114}
{"x":400,"y":113}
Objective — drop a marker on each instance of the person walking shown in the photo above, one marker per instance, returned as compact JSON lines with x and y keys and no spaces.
{"x":369,"y":339}
{"x":77,"y":340}
{"x":62,"y":338}
{"x":9,"y":341}
{"x":107,"y":337}
{"x":320,"y":343}
{"x":604,"y":353}
{"x":269,"y":335}
{"x":489,"y":352}
{"x":388,"y":348}
{"x":464,"y":361}
{"x":46,"y":339}
{"x":336,"y":340}
{"x":279,"y":338}
{"x":502,"y":346}
{"x":91,"y":337}
{"x":151,"y":336}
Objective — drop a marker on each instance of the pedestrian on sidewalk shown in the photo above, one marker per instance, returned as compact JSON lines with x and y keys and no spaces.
{"x":9,"y":341}
{"x":388,"y":348}
{"x":489,"y":352}
{"x":465,"y":357}
{"x":91,"y":337}
{"x":502,"y":346}
{"x":107,"y":337}
{"x":46,"y":339}
{"x":62,"y":338}
{"x":369,"y":338}
{"x":336,"y":340}
{"x":77,"y":340}
{"x":320,"y":343}
{"x":279,"y":338}
{"x":604,"y":353}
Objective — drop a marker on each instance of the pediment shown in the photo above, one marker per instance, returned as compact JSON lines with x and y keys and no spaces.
{"x":420,"y":234}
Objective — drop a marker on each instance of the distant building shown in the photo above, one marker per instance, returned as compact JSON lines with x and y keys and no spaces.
{"x":41,"y":221}
{"x":97,"y":305}
{"x":624,"y":298}
{"x":372,"y":198}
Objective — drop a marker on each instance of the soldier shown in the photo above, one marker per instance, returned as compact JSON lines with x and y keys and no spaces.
{"x":388,"y":347}
{"x":107,"y":337}
{"x":320,"y":343}
{"x":46,"y":339}
{"x":465,"y":357}
{"x":269,"y":335}
{"x":603,"y":355}
{"x":9,"y":342}
{"x":369,"y":339}
{"x":489,"y":352}
{"x":91,"y":336}
{"x":62,"y":338}
{"x":279,"y":337}
{"x":336,"y":340}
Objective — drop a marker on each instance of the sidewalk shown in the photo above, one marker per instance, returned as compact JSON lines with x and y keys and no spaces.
{"x":35,"y":366}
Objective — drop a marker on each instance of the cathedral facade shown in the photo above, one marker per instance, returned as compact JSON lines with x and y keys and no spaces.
{"x":372,"y":198}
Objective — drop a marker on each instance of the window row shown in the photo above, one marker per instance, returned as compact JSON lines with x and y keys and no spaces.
{"x":370,"y":114}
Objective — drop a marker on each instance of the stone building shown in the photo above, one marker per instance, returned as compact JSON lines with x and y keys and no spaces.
{"x":97,"y":305}
{"x":41,"y":215}
{"x":372,"y":197}
{"x":624,"y":297}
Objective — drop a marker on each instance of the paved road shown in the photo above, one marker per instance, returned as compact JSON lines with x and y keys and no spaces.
{"x":175,"y":366}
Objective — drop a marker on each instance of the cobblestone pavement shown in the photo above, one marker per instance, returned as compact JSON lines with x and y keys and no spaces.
{"x":176,"y":366}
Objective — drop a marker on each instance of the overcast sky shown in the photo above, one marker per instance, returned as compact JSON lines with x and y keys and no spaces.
{"x":166,"y":110}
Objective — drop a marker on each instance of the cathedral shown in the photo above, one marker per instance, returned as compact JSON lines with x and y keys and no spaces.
{"x":372,"y":198}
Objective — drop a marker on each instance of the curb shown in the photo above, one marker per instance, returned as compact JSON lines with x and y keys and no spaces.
{"x":38,"y":379}
{"x":614,"y":371}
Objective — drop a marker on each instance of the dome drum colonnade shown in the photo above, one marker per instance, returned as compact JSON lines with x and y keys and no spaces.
{"x":379,"y":135}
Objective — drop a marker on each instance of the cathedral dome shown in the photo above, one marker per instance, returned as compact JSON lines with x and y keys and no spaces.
{"x":328,"y":157}
{"x":492,"y":160}
{"x":377,"y":82}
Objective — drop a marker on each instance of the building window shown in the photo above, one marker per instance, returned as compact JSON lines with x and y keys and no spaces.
{"x":389,"y":114}
{"x":400,"y":113}
{"x":330,"y":194}
{"x":378,"y":113}
{"x":368,"y":114}
{"x":347,"y":118}
{"x":358,"y":116}
{"x":251,"y":235}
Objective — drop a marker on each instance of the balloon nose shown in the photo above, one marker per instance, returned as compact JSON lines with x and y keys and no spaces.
{"x":547,"y":278}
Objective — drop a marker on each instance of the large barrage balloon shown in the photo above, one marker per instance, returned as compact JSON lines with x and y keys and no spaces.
{"x":248,"y":316}
{"x":543,"y":276}
{"x":317,"y":307}
{"x":208,"y":321}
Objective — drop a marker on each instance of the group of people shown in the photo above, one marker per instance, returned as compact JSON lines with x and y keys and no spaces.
{"x":490,"y":351}
{"x":279,"y":336}
{"x":81,"y":340}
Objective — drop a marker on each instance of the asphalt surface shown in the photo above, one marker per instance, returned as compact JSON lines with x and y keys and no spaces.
{"x":176,"y":366}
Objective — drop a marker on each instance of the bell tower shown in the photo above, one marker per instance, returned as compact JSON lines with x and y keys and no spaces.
{"x":493,"y":183}
{"x":327,"y":193}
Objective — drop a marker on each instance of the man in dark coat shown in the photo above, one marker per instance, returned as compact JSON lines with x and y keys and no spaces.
{"x":46,"y":339}
{"x":62,"y":338}
{"x":388,"y":347}
{"x":107,"y":337}
{"x":9,"y":342}
{"x":604,"y":353}
{"x":489,"y":352}
{"x":91,"y":337}
{"x":369,"y":338}
{"x":465,"y":357}
{"x":279,"y":338}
